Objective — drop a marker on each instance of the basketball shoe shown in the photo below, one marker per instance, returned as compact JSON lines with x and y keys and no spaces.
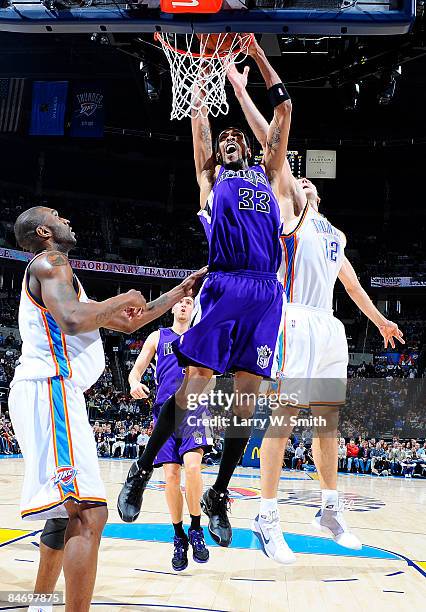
{"x":266,"y":527}
{"x":130,"y":499}
{"x":200,"y":552}
{"x":216,"y":506}
{"x":180,"y":553}
{"x":330,"y":520}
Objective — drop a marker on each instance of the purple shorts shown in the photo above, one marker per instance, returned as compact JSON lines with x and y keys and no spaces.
{"x":236,"y":323}
{"x":191,"y":436}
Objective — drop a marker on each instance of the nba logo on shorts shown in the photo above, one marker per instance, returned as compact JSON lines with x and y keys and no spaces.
{"x":64,"y":475}
{"x":264,"y":354}
{"x":198,"y":437}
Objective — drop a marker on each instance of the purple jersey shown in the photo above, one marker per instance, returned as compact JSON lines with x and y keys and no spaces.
{"x":242,"y":222}
{"x":168,"y":375}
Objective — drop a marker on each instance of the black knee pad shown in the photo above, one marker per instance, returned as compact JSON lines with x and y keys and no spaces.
{"x":53,"y":534}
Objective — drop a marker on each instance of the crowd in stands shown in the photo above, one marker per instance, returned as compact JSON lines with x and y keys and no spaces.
{"x":125,"y":439}
{"x":181,"y":243}
{"x":8,"y":443}
{"x":361,"y":456}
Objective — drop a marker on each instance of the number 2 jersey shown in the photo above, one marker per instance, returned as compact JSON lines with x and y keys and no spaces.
{"x":313,"y":256}
{"x":242,"y":222}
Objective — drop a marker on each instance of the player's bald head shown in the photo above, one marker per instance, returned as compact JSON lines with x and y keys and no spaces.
{"x":26,"y":227}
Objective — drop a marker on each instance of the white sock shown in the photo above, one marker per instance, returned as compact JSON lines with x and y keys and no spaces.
{"x":41,"y":608}
{"x":329,"y":499}
{"x":268,"y":505}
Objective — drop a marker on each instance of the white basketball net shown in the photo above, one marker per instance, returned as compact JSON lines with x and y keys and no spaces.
{"x":198,"y":79}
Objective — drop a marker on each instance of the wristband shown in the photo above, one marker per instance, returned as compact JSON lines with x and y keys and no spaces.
{"x":278,"y":94}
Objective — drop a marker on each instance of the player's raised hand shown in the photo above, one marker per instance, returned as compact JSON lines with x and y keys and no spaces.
{"x":192,"y":283}
{"x":390,"y":333}
{"x":254,"y":48}
{"x":238,"y":79}
{"x":139,"y":391}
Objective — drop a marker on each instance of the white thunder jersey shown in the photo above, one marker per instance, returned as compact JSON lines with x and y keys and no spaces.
{"x":48,"y":352}
{"x":313,"y":256}
{"x":313,"y":354}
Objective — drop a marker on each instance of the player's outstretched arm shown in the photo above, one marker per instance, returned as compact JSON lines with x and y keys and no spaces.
{"x":279,"y":128}
{"x":388,"y":329}
{"x":156,"y":308}
{"x":137,"y":389}
{"x":55,"y":276}
{"x":203,"y":146}
{"x":259,"y":126}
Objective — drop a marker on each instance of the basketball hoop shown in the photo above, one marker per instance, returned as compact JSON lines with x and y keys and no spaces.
{"x":198,"y":66}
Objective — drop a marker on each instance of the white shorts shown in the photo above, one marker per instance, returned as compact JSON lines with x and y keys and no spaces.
{"x":313,"y":359}
{"x":50,"y":422}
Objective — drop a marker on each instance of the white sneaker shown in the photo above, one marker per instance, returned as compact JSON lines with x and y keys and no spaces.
{"x":331,"y":521}
{"x":267,"y":529}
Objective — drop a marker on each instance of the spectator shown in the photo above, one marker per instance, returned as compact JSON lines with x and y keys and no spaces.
{"x":130,"y":449}
{"x":364,"y":457}
{"x":352,"y":451}
{"x":142,"y":441}
{"x":120,"y":442}
{"x":407,"y":463}
{"x":341,"y":454}
{"x":299,"y":457}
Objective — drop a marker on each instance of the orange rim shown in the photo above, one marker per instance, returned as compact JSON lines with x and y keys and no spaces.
{"x":165,"y":43}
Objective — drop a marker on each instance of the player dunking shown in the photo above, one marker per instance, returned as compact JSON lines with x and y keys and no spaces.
{"x":314,"y":355}
{"x":182,"y":448}
{"x":62,"y":356}
{"x":240,"y":306}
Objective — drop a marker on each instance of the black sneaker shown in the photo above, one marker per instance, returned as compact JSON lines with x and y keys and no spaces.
{"x":200,"y":552}
{"x":130,"y":499}
{"x":180,"y":553}
{"x":216,"y":506}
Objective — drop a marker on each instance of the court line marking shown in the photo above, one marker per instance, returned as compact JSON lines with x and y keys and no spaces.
{"x":409,"y":562}
{"x":394,"y":574}
{"x":25,"y":560}
{"x":256,"y":476}
{"x":22,"y":537}
{"x":340,"y":580}
{"x":137,"y":569}
{"x":402,"y":592}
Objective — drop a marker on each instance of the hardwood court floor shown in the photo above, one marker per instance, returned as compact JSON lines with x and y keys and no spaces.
{"x":135,"y":573}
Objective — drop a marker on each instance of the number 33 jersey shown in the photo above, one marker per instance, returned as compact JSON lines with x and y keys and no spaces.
{"x":242,"y":222}
{"x":313,"y":256}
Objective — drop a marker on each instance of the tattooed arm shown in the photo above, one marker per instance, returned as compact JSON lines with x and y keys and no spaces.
{"x":203,"y":153}
{"x":54,"y":276}
{"x":279,"y":128}
{"x":156,"y":308}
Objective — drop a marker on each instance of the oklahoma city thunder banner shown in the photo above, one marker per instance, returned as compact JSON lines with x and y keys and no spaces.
{"x":88,"y":110}
{"x":48,"y":108}
{"x":107,"y":266}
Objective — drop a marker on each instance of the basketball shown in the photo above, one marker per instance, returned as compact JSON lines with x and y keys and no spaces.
{"x":212,"y":305}
{"x":220,"y":43}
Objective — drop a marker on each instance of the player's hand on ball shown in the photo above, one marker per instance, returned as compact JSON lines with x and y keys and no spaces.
{"x":135,"y":299}
{"x":139,"y":391}
{"x":238,"y":79}
{"x":254,"y":48}
{"x":192,"y":283}
{"x":390,"y":331}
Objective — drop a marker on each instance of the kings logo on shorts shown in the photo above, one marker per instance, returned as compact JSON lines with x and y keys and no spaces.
{"x":64,"y":475}
{"x":263,"y":356}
